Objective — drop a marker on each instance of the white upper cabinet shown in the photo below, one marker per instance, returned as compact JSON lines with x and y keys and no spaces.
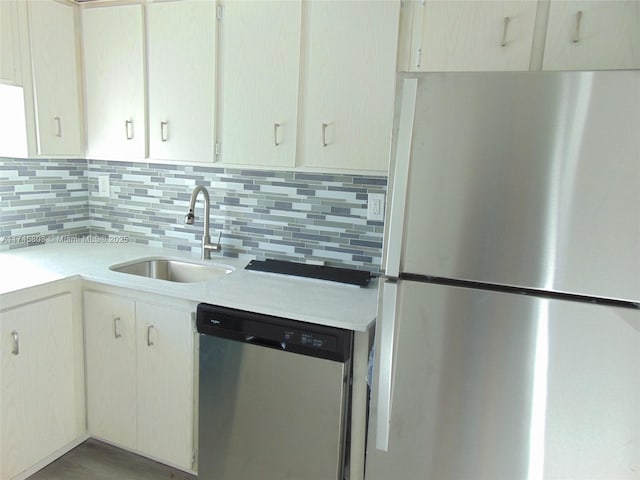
{"x":181,"y":52}
{"x":9,"y":42}
{"x":55,"y":78}
{"x":114,"y":81}
{"x":348,"y":81}
{"x":479,"y":35}
{"x":592,"y":35}
{"x":260,"y":52}
{"x":472,"y":35}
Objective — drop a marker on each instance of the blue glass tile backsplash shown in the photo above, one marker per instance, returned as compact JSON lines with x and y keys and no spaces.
{"x":264,"y":214}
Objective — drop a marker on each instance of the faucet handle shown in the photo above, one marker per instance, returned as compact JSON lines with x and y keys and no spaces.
{"x":217,"y":245}
{"x":211,"y":247}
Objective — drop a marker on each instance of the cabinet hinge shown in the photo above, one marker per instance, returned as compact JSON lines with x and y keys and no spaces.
{"x":219,"y":12}
{"x":218,"y":148}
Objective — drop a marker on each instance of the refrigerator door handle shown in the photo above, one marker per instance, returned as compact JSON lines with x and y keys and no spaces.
{"x":385,"y":365}
{"x":400,"y":178}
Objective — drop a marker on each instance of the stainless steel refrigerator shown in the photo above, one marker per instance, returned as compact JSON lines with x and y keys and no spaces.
{"x":508,"y":334}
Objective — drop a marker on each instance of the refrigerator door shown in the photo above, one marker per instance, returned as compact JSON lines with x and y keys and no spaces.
{"x":491,"y":385}
{"x":529,"y":179}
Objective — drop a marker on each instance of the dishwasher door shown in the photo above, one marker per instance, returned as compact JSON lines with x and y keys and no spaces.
{"x":267,"y":412}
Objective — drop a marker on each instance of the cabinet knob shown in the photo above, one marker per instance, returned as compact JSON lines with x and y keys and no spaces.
{"x":576,"y":34}
{"x":15,"y":348}
{"x":164,"y":131}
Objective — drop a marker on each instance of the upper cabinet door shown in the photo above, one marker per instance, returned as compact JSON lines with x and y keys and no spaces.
{"x":260,"y":73}
{"x":9,"y":41}
{"x":593,"y":35}
{"x":181,"y":51}
{"x":114,"y":81}
{"x":472,"y":35}
{"x":55,"y":75}
{"x":348,"y":79}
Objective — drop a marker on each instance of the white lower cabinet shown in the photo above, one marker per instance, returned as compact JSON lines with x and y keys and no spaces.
{"x":39,"y":408}
{"x":110,"y":344}
{"x":165,"y":379}
{"x":140,"y":376}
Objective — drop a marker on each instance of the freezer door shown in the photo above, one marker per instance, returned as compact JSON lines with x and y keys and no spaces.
{"x":489,"y":385}
{"x":529,"y":179}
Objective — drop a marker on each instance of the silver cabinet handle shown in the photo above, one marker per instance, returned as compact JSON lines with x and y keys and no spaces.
{"x":275,"y":134}
{"x":418,"y":58}
{"x":15,"y":349}
{"x":576,"y":35}
{"x":504,"y":31}
{"x":128,"y":127}
{"x":58,"y":126}
{"x":149,"y":342}
{"x":116,"y":333}
{"x":164,"y":131}
{"x":324,"y":134}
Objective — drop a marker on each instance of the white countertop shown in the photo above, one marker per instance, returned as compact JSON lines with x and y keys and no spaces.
{"x":316,"y":301}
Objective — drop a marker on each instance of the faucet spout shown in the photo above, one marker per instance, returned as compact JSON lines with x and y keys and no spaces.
{"x":207,"y":246}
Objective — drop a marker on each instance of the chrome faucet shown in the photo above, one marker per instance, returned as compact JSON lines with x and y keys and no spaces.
{"x":207,"y":246}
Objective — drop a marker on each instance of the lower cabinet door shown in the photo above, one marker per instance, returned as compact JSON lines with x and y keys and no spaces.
{"x":140,"y":377}
{"x":165,"y":376}
{"x":37,"y":383}
{"x":110,"y":339}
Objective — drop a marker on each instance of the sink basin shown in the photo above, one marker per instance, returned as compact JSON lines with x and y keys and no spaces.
{"x":172,"y":270}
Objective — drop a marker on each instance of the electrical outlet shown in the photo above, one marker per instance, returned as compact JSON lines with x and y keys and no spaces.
{"x":375,"y":207}
{"x":103,"y":186}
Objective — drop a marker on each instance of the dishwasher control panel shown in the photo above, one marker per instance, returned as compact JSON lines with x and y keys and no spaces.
{"x":310,"y":339}
{"x":275,"y":332}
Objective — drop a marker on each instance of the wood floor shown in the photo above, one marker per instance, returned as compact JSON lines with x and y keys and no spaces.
{"x":95,"y":460}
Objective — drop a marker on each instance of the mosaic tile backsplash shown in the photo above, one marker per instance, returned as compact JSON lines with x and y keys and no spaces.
{"x":39,"y":198}
{"x":263,"y":214}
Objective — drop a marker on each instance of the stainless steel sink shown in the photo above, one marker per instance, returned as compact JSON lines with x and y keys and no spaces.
{"x":172,"y":270}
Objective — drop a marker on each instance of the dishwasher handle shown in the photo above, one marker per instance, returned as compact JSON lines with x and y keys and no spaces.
{"x":265,"y":342}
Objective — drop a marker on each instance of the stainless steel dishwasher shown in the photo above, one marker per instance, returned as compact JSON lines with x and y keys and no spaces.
{"x":274,"y":396}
